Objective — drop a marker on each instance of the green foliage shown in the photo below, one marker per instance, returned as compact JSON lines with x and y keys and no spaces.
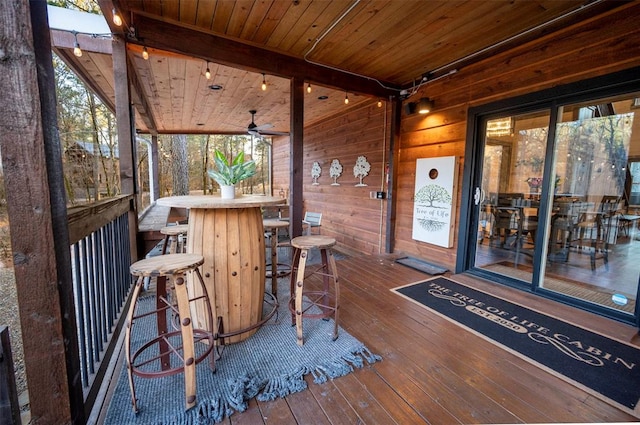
{"x":226,"y":173}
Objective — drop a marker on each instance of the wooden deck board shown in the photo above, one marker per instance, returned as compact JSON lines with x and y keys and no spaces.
{"x":433,"y":371}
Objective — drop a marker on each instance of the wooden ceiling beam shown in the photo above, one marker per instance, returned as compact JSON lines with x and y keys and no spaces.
{"x":190,"y":41}
{"x":140,"y":101}
{"x":71,"y":61}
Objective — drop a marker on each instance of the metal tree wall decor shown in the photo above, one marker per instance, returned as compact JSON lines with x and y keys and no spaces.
{"x":361,"y":169}
{"x":315,"y":172}
{"x":335,"y":171}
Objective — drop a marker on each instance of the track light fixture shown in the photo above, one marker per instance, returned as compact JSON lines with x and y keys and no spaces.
{"x":207,"y":73}
{"x":346,"y":98}
{"x":425,"y":105}
{"x":117,"y":20}
{"x":264,"y":82}
{"x":145,"y":53}
{"x":76,"y":46}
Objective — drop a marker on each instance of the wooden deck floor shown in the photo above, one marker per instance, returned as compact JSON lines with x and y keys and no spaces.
{"x":432,"y":370}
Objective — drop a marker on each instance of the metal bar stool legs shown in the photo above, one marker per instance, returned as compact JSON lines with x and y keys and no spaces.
{"x":178,"y":344}
{"x":325,"y":300}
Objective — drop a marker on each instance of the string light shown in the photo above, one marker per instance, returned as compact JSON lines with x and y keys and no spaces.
{"x":116,"y":18}
{"x":264,"y":83}
{"x":308,"y":87}
{"x":346,"y":98}
{"x":76,"y":46}
{"x":145,"y":54}
{"x":207,"y":73}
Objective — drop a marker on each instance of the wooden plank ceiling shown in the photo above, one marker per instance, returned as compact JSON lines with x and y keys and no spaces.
{"x":366,"y":50}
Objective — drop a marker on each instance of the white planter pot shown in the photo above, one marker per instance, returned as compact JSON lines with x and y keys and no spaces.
{"x":227,"y":192}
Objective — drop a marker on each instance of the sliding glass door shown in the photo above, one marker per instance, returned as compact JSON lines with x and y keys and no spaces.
{"x":555,"y":207}
{"x":511,"y":183}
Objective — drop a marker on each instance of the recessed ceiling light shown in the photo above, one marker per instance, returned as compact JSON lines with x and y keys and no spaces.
{"x":323,"y":97}
{"x":215,"y":87}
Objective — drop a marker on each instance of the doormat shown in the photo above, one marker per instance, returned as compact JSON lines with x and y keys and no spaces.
{"x":421,"y":265}
{"x":605,"y":367}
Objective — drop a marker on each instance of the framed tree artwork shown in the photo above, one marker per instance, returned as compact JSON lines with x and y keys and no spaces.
{"x":435,"y":200}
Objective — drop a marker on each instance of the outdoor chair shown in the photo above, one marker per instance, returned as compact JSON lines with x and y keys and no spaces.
{"x":313,"y":220}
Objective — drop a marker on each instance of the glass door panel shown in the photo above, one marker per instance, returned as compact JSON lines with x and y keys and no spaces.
{"x":592,"y":247}
{"x":510,"y":193}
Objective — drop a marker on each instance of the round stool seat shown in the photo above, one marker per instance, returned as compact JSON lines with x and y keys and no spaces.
{"x":269,"y":223}
{"x":178,"y":229}
{"x":313,"y":241}
{"x":165,"y":265}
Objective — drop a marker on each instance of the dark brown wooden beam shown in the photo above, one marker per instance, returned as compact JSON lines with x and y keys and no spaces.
{"x":393,"y":155}
{"x":296,"y":156}
{"x":208,"y":47}
{"x":32,"y":165}
{"x":140,"y":101}
{"x":71,"y":61}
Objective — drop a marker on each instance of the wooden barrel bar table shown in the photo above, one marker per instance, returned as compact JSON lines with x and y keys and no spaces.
{"x":229,"y":234}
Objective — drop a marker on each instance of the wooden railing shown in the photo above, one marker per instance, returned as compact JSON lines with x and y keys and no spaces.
{"x":100,"y":240}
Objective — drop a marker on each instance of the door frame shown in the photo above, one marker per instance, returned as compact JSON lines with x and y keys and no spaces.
{"x":618,"y":83}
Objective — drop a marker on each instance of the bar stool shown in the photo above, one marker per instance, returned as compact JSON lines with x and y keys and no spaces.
{"x":301,"y":301}
{"x":174,"y":238}
{"x":275,"y":269}
{"x":181,"y":343}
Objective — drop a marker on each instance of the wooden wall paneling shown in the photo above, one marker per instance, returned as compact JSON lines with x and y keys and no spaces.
{"x":591,"y":49}
{"x":349,"y":213}
{"x":585,"y":50}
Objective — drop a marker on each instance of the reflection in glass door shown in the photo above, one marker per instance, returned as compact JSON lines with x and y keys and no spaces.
{"x":512,"y":176}
{"x":593,"y":246}
{"x":570,"y":228}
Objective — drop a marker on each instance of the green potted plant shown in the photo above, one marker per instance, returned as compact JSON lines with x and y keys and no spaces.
{"x":228,"y":174}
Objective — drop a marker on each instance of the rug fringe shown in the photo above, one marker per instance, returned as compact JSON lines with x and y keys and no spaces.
{"x":245,"y":388}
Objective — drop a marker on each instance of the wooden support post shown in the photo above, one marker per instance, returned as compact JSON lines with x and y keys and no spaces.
{"x":296,"y":156}
{"x":392,"y":155}
{"x":9,"y":406}
{"x":36,"y":202}
{"x":126,"y":139}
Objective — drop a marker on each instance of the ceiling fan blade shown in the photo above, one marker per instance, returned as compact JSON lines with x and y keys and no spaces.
{"x":273,"y":133}
{"x":263,"y":127}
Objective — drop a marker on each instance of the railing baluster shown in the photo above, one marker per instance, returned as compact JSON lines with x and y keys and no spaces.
{"x":100,"y":260}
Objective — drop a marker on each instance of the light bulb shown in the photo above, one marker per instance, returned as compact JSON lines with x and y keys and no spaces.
{"x":145,"y":54}
{"x":207,"y":73}
{"x":264,"y":83}
{"x":379,"y":103}
{"x":346,"y":99}
{"x":116,"y":18}
{"x":76,"y":46}
{"x":309,"y":88}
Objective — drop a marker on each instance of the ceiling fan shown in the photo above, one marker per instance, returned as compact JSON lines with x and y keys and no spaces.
{"x":261,"y":130}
